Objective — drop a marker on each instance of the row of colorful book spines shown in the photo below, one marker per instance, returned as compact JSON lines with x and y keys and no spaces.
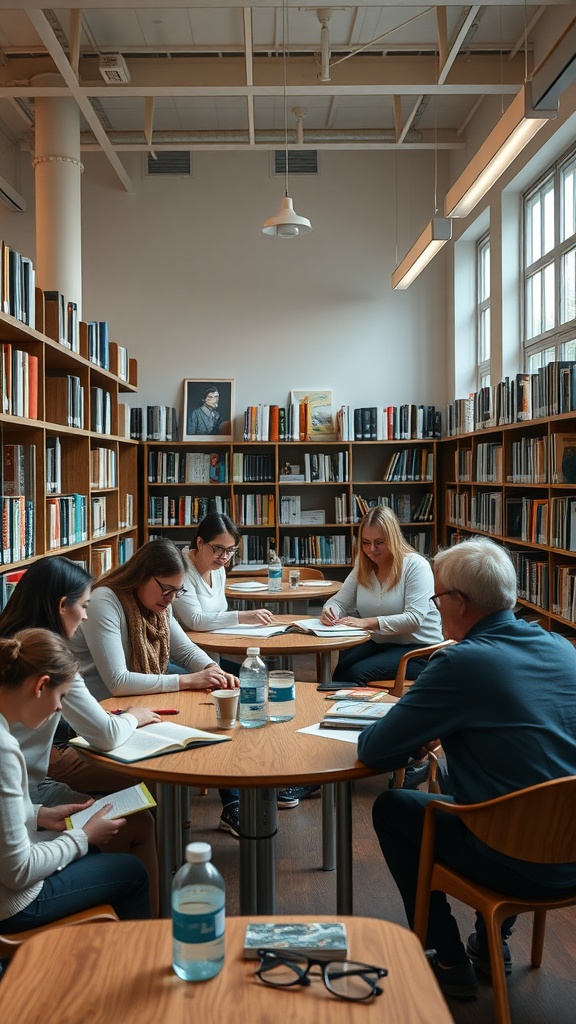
{"x":18,"y":520}
{"x":157,"y":423}
{"x":18,"y":382}
{"x":529,"y":396}
{"x":185,"y":510}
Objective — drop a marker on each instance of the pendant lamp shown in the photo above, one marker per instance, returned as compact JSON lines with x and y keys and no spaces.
{"x":286,"y":223}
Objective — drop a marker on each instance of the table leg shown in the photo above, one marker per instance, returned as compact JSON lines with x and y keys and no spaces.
{"x":168,"y":839}
{"x":325,"y":674}
{"x":258,"y":827}
{"x":344,"y":887}
{"x":328,"y":828}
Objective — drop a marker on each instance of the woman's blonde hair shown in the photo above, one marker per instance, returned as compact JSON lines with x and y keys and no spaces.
{"x":384,"y":519}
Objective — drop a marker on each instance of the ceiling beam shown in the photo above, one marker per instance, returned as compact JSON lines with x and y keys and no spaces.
{"x":57,"y":54}
{"x":410,"y":119}
{"x":446,"y":65}
{"x":248,"y":53}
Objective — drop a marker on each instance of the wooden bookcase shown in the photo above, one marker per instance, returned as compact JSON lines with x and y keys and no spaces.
{"x":310,"y":522}
{"x":522,"y":506}
{"x":39,"y":445}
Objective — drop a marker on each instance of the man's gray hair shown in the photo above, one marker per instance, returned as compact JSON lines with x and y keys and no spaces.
{"x":480,"y":569}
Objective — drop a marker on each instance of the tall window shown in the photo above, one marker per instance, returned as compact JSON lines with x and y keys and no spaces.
{"x":550,"y":266}
{"x":483,"y":310}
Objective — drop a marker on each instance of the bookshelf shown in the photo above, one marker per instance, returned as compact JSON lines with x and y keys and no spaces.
{"x":300,"y":496}
{"x":50,"y":492}
{"x":517,"y":484}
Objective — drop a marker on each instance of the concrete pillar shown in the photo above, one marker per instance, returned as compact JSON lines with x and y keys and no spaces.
{"x":57,"y":169}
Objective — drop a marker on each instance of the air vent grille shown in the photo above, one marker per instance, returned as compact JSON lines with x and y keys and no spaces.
{"x":177,"y":162}
{"x":302,"y":161}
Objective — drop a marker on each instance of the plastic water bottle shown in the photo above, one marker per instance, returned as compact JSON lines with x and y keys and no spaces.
{"x":281,"y":696}
{"x":198,"y":916}
{"x":274,"y":572}
{"x":253,"y":705}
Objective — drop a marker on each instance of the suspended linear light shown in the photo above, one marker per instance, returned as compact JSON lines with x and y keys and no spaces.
{"x":434,"y":236}
{"x":517,"y":126}
{"x":286,"y":223}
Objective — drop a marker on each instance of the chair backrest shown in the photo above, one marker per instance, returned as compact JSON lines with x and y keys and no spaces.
{"x":534,"y":824}
{"x":305,"y":574}
{"x":400,"y":681}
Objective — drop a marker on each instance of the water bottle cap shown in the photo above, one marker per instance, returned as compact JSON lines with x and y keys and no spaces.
{"x":196,"y":853}
{"x":253,"y":651}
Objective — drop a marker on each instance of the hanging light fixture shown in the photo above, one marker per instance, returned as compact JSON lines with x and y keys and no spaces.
{"x":286,"y":223}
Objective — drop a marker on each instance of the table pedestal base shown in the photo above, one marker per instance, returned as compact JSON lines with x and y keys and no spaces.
{"x":258,"y":828}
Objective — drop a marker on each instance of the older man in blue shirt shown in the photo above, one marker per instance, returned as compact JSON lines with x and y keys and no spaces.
{"x":501,"y":700}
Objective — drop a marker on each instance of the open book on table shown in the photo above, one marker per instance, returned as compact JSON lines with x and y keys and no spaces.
{"x":154,"y":740}
{"x":310,"y":627}
{"x":124,"y":802}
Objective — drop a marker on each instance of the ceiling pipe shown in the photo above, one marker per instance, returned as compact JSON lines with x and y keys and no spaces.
{"x":324,"y":18}
{"x":313,"y":136}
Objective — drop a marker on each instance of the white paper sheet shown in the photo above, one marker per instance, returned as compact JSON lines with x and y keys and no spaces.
{"x":349,"y":736}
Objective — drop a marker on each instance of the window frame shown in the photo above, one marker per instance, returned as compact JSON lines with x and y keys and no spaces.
{"x":483,"y":307}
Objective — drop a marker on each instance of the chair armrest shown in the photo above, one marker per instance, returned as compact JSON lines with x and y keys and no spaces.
{"x":418,"y":652}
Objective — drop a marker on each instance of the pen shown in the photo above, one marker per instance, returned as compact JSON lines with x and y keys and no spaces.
{"x":155,"y":711}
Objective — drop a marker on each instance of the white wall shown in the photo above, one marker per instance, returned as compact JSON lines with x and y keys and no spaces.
{"x":186,"y":279}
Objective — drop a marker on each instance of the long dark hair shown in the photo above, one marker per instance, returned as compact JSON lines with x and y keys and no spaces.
{"x":34,"y":652}
{"x":37,"y":596}
{"x":212,"y":526}
{"x":158,"y":557}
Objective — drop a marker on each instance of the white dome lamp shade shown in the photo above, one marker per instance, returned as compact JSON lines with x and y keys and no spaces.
{"x":286,"y":223}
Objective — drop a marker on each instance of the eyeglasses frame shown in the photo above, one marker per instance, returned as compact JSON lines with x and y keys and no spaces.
{"x":169,"y":591}
{"x":288,"y":957}
{"x":444,"y":593}
{"x":226,"y":553}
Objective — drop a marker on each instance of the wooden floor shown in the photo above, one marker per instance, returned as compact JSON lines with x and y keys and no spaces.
{"x":543,"y":996}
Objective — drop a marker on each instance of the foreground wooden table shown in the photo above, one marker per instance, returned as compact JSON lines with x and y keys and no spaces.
{"x":284,"y":645}
{"x":258,"y":762}
{"x":120,"y":973}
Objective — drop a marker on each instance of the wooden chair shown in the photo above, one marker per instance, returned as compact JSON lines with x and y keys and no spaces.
{"x":534,"y":824}
{"x":10,"y":943}
{"x":305,"y":573}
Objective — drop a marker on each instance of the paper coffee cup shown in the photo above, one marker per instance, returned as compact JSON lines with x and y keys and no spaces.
{"x":226,"y":702}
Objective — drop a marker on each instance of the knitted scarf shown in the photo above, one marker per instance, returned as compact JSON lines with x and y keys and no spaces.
{"x":149,"y":635}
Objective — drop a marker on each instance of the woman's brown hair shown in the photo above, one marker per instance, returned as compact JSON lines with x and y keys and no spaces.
{"x":384,"y":519}
{"x":36,"y":652}
{"x":158,"y":557}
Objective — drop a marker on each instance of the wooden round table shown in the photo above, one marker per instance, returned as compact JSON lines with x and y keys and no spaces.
{"x":258,"y":762}
{"x":283,"y":645}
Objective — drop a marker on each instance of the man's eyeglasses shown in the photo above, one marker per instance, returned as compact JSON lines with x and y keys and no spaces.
{"x":343,"y":978}
{"x":220,"y":552}
{"x":443,"y":593}
{"x":170,"y":591}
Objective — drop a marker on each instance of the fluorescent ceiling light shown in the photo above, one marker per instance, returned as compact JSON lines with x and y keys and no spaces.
{"x":434,"y":236}
{"x":518,"y":124}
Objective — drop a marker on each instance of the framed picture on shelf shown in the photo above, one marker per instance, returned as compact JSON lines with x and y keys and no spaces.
{"x":208,"y":411}
{"x":320,"y":415}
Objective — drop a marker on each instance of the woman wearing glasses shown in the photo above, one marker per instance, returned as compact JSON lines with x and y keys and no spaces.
{"x":131,"y":635}
{"x":203,"y":606}
{"x":389,"y":593}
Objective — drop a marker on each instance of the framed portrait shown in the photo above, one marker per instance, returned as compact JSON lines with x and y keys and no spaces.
{"x":320,"y":418}
{"x":208,"y":412}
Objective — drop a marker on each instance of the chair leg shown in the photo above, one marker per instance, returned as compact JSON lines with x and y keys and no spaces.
{"x":538,"y":929}
{"x":501,"y":1007}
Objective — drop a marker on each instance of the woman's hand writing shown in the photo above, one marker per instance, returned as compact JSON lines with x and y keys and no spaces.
{"x":100,"y":829}
{"x":54,"y":818}
{"x":258,"y":616}
{"x":210,"y":678}
{"x":328,"y":617}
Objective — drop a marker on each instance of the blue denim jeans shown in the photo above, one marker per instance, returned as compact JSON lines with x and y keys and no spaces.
{"x":360,"y":666}
{"x":116,"y":878}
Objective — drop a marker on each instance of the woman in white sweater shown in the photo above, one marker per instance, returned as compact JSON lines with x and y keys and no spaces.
{"x":46,"y":871}
{"x":388,"y":592}
{"x":53,"y":594}
{"x":203,"y":605}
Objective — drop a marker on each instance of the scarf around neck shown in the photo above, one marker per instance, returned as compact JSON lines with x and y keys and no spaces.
{"x":149,"y":635}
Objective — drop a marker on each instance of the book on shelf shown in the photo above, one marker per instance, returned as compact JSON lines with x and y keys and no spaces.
{"x":154,"y":741}
{"x":365,"y":710}
{"x":320,"y":940}
{"x":55,"y":317}
{"x":124,"y":802}
{"x":563,"y":459}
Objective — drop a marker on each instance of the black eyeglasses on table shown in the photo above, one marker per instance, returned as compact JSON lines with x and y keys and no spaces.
{"x":346,"y":979}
